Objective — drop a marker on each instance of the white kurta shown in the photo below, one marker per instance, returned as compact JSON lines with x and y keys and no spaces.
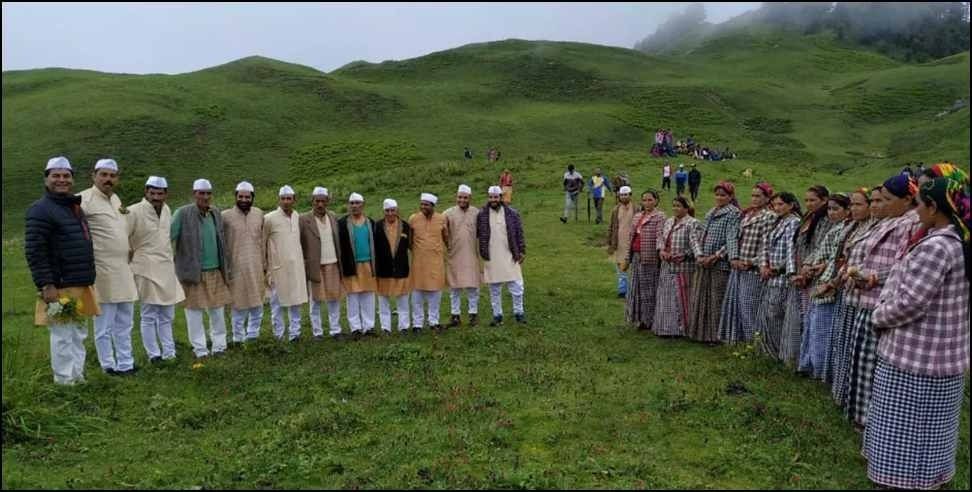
{"x":114,"y":281}
{"x":464,"y":270}
{"x":500,"y":267}
{"x":152,"y":263}
{"x":285,"y":257}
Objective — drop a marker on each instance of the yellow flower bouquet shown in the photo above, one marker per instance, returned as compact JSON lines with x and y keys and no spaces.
{"x":65,"y":310}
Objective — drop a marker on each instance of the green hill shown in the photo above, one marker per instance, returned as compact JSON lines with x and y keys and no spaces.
{"x":775,"y":98}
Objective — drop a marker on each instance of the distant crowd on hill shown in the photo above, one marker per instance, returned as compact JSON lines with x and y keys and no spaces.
{"x":666,"y":146}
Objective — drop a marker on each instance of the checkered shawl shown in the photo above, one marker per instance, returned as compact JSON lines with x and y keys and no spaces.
{"x":827,"y":253}
{"x":753,"y":228}
{"x":720,"y":235}
{"x":883,"y":250}
{"x":779,"y":252}
{"x":854,"y":252}
{"x":677,"y":239}
{"x":648,"y":236}
{"x":924,"y":308}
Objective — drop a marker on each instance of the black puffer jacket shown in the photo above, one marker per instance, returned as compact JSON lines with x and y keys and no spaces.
{"x":58,"y":244}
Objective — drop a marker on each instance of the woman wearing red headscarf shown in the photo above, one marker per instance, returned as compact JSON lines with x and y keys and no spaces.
{"x":719,"y":242}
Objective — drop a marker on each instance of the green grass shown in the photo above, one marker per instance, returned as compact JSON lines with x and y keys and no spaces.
{"x":573,"y":400}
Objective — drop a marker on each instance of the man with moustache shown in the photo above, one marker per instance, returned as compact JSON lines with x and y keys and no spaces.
{"x":503,"y":249}
{"x":464,"y":270}
{"x":154,"y":269}
{"x":201,"y":266}
{"x":357,"y":253}
{"x":285,"y":264}
{"x":243,"y":230}
{"x":321,"y":247}
{"x":114,"y":282}
{"x":429,"y":238}
{"x":392,"y":242}
{"x":57,"y":244}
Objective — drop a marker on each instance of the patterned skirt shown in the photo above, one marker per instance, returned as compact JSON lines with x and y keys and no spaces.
{"x":639,"y":306}
{"x":329,"y":288}
{"x":863,"y":357}
{"x":912,"y":430}
{"x":842,"y":340}
{"x":779,"y":324}
{"x":815,"y":348}
{"x":709,"y":292}
{"x":674,"y":294}
{"x":210,"y":292}
{"x":741,"y":307}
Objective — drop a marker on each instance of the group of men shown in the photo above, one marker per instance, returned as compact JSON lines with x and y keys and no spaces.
{"x":91,"y":248}
{"x":598,"y":184}
{"x":682,"y":177}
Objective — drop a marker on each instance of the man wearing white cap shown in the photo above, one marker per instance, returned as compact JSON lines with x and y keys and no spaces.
{"x":464,"y":270}
{"x":247,"y":260}
{"x":618,"y":234}
{"x":114,"y":283}
{"x":503,"y":249}
{"x":357,"y":240}
{"x":429,"y":238}
{"x":321,"y":247}
{"x":392,"y":242}
{"x":154,"y":269}
{"x":200,"y":260}
{"x":285,"y":264}
{"x":61,"y":260}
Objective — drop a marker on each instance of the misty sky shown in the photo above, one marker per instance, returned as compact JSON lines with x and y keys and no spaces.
{"x":177,"y":38}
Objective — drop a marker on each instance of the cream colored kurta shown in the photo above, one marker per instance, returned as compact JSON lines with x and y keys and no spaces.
{"x":114,"y":281}
{"x":285,"y":257}
{"x":464,"y":269}
{"x":500,"y":267}
{"x":428,"y":251}
{"x":152,"y":263}
{"x":625,"y":218}
{"x":243,"y":234}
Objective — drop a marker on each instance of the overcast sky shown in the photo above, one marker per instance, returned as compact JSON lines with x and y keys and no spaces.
{"x":177,"y":38}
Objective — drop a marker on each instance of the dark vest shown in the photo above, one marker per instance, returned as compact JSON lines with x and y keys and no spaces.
{"x":387,"y":265}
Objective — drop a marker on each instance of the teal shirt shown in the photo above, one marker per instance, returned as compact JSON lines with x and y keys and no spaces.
{"x":210,"y":250}
{"x":362,"y":242}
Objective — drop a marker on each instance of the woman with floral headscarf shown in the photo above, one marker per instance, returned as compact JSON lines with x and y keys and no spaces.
{"x":741,"y":306}
{"x":719,"y":242}
{"x":923,"y":354}
{"x":881,"y":252}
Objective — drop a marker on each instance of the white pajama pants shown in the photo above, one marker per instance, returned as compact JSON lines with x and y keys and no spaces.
{"x":496,"y":296}
{"x":113,"y":335}
{"x":361,"y":311}
{"x":277,"y":317}
{"x":432,"y":298}
{"x":197,"y":334}
{"x":156,"y":326}
{"x":246,"y":323}
{"x":384,"y":307}
{"x":333,"y":317}
{"x":472,"y":298}
{"x":68,"y":353}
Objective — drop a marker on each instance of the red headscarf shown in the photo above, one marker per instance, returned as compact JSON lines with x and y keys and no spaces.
{"x":730,"y":189}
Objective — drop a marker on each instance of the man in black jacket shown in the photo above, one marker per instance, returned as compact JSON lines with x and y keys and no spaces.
{"x":60,"y":254}
{"x":694,"y":181}
{"x":392,"y":241}
{"x":357,"y":250}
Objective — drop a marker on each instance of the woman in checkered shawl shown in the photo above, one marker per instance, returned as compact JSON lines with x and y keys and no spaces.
{"x":923,"y":319}
{"x":643,"y":260}
{"x":678,"y":264}
{"x":719,"y":242}
{"x":779,"y":323}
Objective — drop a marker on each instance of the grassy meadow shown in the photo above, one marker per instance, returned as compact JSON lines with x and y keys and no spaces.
{"x":574,"y":399}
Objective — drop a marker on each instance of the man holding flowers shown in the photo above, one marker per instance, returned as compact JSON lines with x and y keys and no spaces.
{"x":60,"y":255}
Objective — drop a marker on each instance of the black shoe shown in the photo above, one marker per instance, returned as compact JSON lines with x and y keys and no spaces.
{"x":403,"y":333}
{"x":356,"y":335}
{"x":643,"y":327}
{"x":417,"y":330}
{"x":497,"y":321}
{"x":294,"y":340}
{"x":622,"y":295}
{"x":337,"y":337}
{"x":386,"y":333}
{"x":437,"y":328}
{"x":371,"y":333}
{"x":453,"y":321}
{"x":564,"y":220}
{"x":473,"y":320}
{"x":110,"y":371}
{"x":318,"y":338}
{"x":520,"y":318}
{"x":130,"y":372}
{"x":155,"y":360}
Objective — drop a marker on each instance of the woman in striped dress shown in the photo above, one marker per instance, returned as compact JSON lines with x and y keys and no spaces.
{"x":923,"y":320}
{"x":739,"y":309}
{"x":880,"y":253}
{"x":719,"y":241}
{"x":815,"y":348}
{"x":643,"y":260}
{"x":678,"y":265}
{"x":780,"y":303}
{"x":862,"y":221}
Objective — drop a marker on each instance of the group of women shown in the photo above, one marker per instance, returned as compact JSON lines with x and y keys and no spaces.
{"x":866,"y":291}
